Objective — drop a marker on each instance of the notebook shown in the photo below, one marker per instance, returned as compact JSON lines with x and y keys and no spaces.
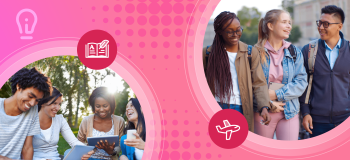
{"x":78,"y":151}
{"x":92,"y":141}
{"x":275,"y":86}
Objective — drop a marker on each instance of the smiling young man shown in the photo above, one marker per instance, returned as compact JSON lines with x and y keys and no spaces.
{"x":328,"y":103}
{"x":19,"y":120}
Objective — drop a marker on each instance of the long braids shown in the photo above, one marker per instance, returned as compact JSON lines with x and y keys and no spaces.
{"x":218,"y":69}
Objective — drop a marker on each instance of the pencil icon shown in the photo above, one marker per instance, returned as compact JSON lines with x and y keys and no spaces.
{"x":104,"y":43}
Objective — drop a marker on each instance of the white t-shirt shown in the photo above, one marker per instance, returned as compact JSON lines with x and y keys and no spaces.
{"x":47,"y":133}
{"x":138,"y":154}
{"x":235,"y":96}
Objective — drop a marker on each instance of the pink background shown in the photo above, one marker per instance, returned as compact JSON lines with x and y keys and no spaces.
{"x":159,"y":55}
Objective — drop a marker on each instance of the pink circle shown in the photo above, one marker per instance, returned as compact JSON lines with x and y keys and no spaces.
{"x":129,"y":32}
{"x":105,"y":20}
{"x":154,"y":1}
{"x":186,"y":155}
{"x":203,"y":20}
{"x":142,"y":20}
{"x":175,"y":111}
{"x":142,"y":0}
{"x":154,"y":32}
{"x":178,"y":20}
{"x":154,"y":20}
{"x":190,"y":32}
{"x":164,"y":122}
{"x":175,"y":133}
{"x":178,"y":57}
{"x":219,"y":155}
{"x":166,"y":57}
{"x":186,"y":133}
{"x":165,"y":155}
{"x":141,"y":45}
{"x":117,"y":20}
{"x":129,"y":8}
{"x":175,"y":122}
{"x":186,"y":122}
{"x":105,"y":8}
{"x":164,"y":133}
{"x":154,"y":56}
{"x":93,"y":20}
{"x":175,"y":144}
{"x":166,"y":20}
{"x":178,"y":45}
{"x":154,"y":8}
{"x":174,"y":155}
{"x":129,"y":44}
{"x":208,"y":155}
{"x":166,"y":8}
{"x":190,"y":20}
{"x":129,"y":56}
{"x":154,"y":44}
{"x":197,"y":144}
{"x":208,"y":144}
{"x":202,"y":7}
{"x":202,"y":32}
{"x":164,"y":144}
{"x":93,"y":8}
{"x":117,"y":32}
{"x":166,"y":45}
{"x":117,"y":8}
{"x":178,"y":32}
{"x":186,"y":144}
{"x":186,"y":111}
{"x":178,"y":8}
{"x":118,"y":44}
{"x":197,"y":155}
{"x":142,"y":32}
{"x":197,"y":122}
{"x":141,"y":8}
{"x":129,"y":20}
{"x":190,"y":8}
{"x":166,"y":32}
{"x":190,"y":44}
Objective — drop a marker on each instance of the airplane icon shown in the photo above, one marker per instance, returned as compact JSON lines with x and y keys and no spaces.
{"x":228,"y":129}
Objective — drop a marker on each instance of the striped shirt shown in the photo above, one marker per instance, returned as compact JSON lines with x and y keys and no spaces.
{"x":15,"y":129}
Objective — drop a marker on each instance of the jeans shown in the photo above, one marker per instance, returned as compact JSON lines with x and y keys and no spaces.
{"x":320,"y":128}
{"x":232,"y":106}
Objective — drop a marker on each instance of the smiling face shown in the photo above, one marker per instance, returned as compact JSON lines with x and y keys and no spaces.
{"x":52,"y":109}
{"x":232,"y":39}
{"x":102,"y":108}
{"x":282,"y":28}
{"x":27,"y":98}
{"x":332,"y":30}
{"x":131,"y":112}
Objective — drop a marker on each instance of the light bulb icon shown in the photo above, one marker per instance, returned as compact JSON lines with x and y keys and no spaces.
{"x":28,"y":30}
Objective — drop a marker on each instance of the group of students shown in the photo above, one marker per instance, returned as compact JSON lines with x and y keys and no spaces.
{"x":315,"y":80}
{"x":30,"y":126}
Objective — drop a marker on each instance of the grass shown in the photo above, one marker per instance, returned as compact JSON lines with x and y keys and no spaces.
{"x":63,"y":145}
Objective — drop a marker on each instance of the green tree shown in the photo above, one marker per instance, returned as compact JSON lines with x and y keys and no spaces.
{"x":5,"y":91}
{"x":295,"y":34}
{"x":249,"y":18}
{"x":122,"y":99}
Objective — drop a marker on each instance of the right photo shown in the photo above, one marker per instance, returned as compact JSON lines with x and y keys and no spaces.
{"x":282,"y":65}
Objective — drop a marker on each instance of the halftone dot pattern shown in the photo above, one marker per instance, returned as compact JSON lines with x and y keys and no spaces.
{"x":166,"y":45}
{"x":142,"y":45}
{"x":141,"y":20}
{"x":186,"y":155}
{"x":197,"y":155}
{"x":164,"y":122}
{"x":130,"y":20}
{"x":164,"y":133}
{"x":174,"y":155}
{"x":186,"y":144}
{"x":154,"y":44}
{"x":117,"y":20}
{"x":197,"y":144}
{"x":105,"y":20}
{"x":178,"y":45}
{"x":164,"y":144}
{"x":141,"y":8}
{"x":175,"y":144}
{"x":178,"y":8}
{"x":186,"y":133}
{"x":166,"y":20}
{"x":129,"y":32}
{"x":166,"y":32}
{"x":154,"y":20}
{"x":198,"y":133}
{"x":129,"y":8}
{"x":178,"y":20}
{"x":105,"y":8}
{"x":117,"y":8}
{"x":166,"y":8}
{"x":130,"y":44}
{"x":154,"y":32}
{"x":186,"y":122}
{"x":154,"y":8}
{"x":175,"y":133}
{"x":175,"y":122}
{"x":142,"y":32}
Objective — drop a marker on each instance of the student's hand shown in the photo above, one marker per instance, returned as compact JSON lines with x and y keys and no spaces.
{"x":137,"y":143}
{"x":272,"y":95}
{"x":266,"y":116}
{"x":279,"y":107}
{"x":4,"y":158}
{"x":105,"y":146}
{"x":123,"y":157}
{"x":307,"y":123}
{"x":88,"y":155}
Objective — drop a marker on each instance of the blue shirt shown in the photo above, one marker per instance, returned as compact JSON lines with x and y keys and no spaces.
{"x":332,"y":54}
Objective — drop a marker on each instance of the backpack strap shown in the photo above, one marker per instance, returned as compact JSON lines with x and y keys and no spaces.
{"x":292,"y":52}
{"x":313,"y":46}
{"x":250,"y":55}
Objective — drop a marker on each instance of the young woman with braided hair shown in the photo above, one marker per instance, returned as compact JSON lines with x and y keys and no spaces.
{"x":282,"y":63}
{"x":231,"y":77}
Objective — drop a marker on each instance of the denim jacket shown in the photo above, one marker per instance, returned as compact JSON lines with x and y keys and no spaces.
{"x":294,"y":80}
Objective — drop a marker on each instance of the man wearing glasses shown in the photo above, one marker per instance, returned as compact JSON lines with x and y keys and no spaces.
{"x":327,"y":62}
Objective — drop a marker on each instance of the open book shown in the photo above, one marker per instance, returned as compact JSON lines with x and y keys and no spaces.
{"x":78,"y":151}
{"x":92,"y":141}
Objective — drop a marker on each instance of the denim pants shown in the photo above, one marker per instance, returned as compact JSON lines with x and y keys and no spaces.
{"x":232,"y":106}
{"x":320,"y":128}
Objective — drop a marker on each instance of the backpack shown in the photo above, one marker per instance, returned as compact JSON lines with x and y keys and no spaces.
{"x":206,"y":54}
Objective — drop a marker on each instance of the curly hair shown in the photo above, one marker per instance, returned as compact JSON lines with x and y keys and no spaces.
{"x":26,"y":78}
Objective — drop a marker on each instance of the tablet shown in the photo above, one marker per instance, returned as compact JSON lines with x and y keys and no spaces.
{"x":77,"y":152}
{"x":92,"y":141}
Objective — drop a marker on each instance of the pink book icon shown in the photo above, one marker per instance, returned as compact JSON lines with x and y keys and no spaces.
{"x":97,"y":50}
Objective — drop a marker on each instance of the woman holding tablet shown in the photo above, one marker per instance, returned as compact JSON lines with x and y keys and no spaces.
{"x":102,"y":123}
{"x":45,"y":144}
{"x":132,"y":149}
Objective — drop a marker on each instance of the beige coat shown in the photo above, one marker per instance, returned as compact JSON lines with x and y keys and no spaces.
{"x":250,"y":81}
{"x":86,"y":128}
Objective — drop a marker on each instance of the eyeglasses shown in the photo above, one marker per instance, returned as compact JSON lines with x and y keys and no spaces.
{"x":231,"y":33}
{"x":325,"y":24}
